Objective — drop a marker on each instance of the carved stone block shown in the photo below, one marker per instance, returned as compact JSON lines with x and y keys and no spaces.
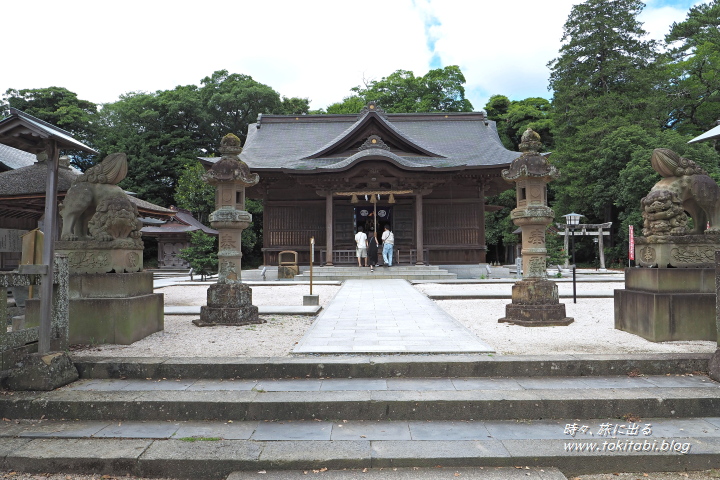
{"x":228,"y":304}
{"x":535,"y":304}
{"x":679,"y":251}
{"x":102,"y":257}
{"x":229,"y":295}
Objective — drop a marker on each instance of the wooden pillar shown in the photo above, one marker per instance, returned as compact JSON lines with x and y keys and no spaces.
{"x":419,"y":260}
{"x":329,"y":229}
{"x":50,"y":227}
{"x":481,"y":221}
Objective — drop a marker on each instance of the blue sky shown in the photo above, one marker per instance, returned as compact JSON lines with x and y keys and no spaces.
{"x":316,"y":48}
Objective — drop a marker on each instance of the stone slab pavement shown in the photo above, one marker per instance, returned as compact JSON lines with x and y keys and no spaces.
{"x":386,"y":316}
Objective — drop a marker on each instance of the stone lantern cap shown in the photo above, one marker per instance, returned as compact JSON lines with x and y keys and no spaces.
{"x":530,"y":163}
{"x":230,"y":169}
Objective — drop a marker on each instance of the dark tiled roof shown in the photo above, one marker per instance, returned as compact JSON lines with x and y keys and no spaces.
{"x":12,"y":158}
{"x":452,"y":140}
{"x":182,"y":222}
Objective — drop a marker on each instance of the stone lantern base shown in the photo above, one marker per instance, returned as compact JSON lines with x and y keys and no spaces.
{"x":535,"y":304}
{"x":228,"y":304}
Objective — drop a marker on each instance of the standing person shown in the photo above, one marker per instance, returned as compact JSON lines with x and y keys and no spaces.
{"x":388,"y":241}
{"x":373,"y":251}
{"x":362,"y":244}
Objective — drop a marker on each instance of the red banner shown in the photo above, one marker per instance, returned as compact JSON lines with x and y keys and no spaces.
{"x":632,"y":243}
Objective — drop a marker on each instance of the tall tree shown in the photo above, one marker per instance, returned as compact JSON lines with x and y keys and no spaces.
{"x":694,"y":69}
{"x":605,"y":78}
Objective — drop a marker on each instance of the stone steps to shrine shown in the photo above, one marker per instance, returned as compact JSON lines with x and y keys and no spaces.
{"x":405,"y":272}
{"x":206,"y":418}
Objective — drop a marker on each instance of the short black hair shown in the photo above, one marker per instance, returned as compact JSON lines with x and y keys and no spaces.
{"x":387,"y":226}
{"x":360,"y":229}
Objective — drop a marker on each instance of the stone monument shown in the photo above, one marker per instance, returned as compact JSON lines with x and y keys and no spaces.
{"x":111,"y":299}
{"x":673,"y":297}
{"x":535,"y":300}
{"x":229,"y":302}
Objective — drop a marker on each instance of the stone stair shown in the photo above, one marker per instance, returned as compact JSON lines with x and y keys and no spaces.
{"x":405,"y":272}
{"x":205,"y":418}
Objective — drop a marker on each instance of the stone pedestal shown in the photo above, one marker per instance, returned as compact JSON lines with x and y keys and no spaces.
{"x":116,"y":308}
{"x":228,"y":304}
{"x":118,"y":256}
{"x":679,"y":251}
{"x":43,"y":372}
{"x":667,"y":304}
{"x":287,"y":272}
{"x":535,"y":304}
{"x":311,"y":300}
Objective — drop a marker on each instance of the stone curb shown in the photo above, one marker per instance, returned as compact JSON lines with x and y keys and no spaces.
{"x":503,"y":296}
{"x":389,"y":366}
{"x":536,"y":404}
{"x":279,"y":310}
{"x":218,"y":459}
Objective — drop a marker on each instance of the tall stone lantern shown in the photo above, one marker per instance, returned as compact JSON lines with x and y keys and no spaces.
{"x":229,"y":302}
{"x":534,"y":298}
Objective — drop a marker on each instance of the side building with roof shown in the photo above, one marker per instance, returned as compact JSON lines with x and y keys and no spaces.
{"x":426,"y":175}
{"x":173,"y":236}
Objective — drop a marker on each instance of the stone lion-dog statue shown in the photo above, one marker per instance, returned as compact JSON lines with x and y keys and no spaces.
{"x":95,"y":208}
{"x":686,"y":189}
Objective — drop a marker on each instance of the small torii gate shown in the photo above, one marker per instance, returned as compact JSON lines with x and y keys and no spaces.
{"x":593,"y":229}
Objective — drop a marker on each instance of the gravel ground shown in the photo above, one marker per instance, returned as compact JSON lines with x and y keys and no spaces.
{"x":592,"y":332}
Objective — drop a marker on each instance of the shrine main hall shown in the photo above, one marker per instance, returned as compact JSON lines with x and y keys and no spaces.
{"x":427,"y":175}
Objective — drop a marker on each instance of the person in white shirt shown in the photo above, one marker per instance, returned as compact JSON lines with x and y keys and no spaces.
{"x":362,"y":244}
{"x":388,"y":241}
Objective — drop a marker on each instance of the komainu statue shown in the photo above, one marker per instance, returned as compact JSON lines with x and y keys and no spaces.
{"x":95,"y":208}
{"x":686,"y":189}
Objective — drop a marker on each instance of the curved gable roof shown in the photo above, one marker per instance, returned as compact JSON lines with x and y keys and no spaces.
{"x":419,"y":141}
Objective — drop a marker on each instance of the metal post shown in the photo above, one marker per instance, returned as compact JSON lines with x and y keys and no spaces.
{"x":46,"y":289}
{"x":572,"y":229}
{"x":312,"y":258}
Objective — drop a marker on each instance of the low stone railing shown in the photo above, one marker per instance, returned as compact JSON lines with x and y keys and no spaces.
{"x":16,"y":343}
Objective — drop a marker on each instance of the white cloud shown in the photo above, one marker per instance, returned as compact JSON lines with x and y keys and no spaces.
{"x":317,"y":48}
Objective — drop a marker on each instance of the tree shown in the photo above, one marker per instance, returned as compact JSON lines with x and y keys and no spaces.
{"x":694,"y":70}
{"x":201,"y":254}
{"x":514,"y":117}
{"x":160,"y":134}
{"x":439,"y":90}
{"x":294,"y":106}
{"x":231,"y":102}
{"x":193,"y":193}
{"x":57,"y":106}
{"x":604,"y":79}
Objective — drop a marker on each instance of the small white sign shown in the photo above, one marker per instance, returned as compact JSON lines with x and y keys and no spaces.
{"x":11,"y":240}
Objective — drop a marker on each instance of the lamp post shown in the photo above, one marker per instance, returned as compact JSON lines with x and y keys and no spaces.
{"x":573,"y":220}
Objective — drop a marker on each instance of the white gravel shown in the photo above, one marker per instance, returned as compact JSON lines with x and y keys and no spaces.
{"x":592,"y":332}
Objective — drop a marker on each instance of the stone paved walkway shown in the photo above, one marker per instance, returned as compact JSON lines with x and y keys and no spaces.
{"x":387,"y":316}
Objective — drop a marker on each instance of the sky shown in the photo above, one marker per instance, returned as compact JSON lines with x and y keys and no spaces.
{"x":316,"y":49}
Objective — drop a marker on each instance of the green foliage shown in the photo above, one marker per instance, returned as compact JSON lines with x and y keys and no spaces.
{"x":514,"y":117}
{"x":554,"y":243}
{"x":201,"y":254}
{"x":294,"y":106}
{"x":351,"y":104}
{"x":693,"y":88}
{"x":60,"y":107}
{"x":498,"y":225}
{"x":252,"y":238}
{"x":439,"y":90}
{"x":195,"y":194}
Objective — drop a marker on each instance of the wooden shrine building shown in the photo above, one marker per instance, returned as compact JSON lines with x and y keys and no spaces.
{"x":425,"y":174}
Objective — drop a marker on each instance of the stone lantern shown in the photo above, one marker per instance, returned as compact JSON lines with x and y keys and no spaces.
{"x":534,"y":298}
{"x":229,"y":302}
